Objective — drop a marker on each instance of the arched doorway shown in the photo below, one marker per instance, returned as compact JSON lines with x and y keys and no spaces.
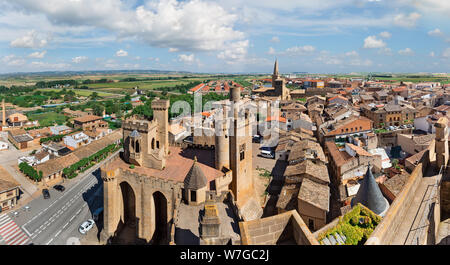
{"x":160,"y":234}
{"x":126,"y":232}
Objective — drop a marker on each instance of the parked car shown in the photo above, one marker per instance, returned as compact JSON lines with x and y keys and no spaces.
{"x":256,"y":139}
{"x":59,"y":188}
{"x":268,"y":154}
{"x":46,"y":193}
{"x":86,"y":226}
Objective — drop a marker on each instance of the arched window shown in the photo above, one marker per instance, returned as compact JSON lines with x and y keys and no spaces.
{"x":153,"y":143}
{"x":138,"y":148}
{"x":132,"y":144}
{"x":157,"y":144}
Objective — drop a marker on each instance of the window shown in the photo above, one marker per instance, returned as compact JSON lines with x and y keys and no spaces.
{"x":311,"y":224}
{"x":193,"y":196}
{"x":242,"y":152}
{"x":138,"y":149}
{"x":153,"y":143}
{"x":157,"y":144}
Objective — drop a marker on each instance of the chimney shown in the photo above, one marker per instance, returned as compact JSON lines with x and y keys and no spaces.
{"x":3,"y":113}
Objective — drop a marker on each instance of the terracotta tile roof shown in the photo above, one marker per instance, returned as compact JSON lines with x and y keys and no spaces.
{"x":197,"y":87}
{"x":178,"y":165}
{"x":309,"y":169}
{"x":315,"y":194}
{"x":339,"y":158}
{"x":359,"y":150}
{"x":88,"y":118}
{"x":7,"y":182}
{"x":335,"y":97}
{"x":280,"y":119}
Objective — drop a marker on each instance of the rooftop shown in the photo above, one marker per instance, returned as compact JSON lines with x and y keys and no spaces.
{"x":315,"y":194}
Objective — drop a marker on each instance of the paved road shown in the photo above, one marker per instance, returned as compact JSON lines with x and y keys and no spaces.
{"x":55,"y":220}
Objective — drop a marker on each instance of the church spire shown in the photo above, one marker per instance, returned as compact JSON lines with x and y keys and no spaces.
{"x":275,"y":68}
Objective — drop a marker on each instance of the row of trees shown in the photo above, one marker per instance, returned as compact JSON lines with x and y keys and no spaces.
{"x":30,"y":171}
{"x":87,"y":162}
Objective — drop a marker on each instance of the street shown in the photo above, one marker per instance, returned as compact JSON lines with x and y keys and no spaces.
{"x":55,"y":221}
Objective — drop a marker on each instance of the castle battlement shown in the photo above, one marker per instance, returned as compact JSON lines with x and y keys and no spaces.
{"x":138,"y":125}
{"x":160,"y":104}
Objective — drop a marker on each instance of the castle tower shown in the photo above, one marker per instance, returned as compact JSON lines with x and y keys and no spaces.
{"x":241,"y":151}
{"x":3,"y":113}
{"x":161,"y":115}
{"x":278,"y":83}
{"x":441,"y":141}
{"x":222,"y":142}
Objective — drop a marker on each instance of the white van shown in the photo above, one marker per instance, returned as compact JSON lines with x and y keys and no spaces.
{"x":267,"y":153}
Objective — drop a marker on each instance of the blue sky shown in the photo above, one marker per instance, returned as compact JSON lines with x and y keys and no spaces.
{"x":320,"y":36}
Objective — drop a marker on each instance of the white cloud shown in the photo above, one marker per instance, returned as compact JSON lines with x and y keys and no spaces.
{"x":271,"y":51}
{"x":300,"y":50}
{"x":446,"y":53}
{"x":275,"y":39}
{"x":406,"y":51}
{"x":236,"y":52}
{"x":385,"y":34}
{"x":37,"y":55}
{"x":385,"y":51}
{"x":13,"y":60}
{"x":352,"y":53}
{"x":191,"y":25}
{"x":432,"y":54}
{"x":407,"y":21}
{"x":435,"y":33}
{"x":121,"y":53}
{"x":79,"y":59}
{"x":173,"y":49}
{"x":358,"y":62}
{"x":49,"y":66}
{"x":372,"y":42}
{"x":30,"y":40}
{"x":188,"y":59}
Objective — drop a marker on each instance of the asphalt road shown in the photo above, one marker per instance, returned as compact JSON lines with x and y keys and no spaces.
{"x":53,"y":221}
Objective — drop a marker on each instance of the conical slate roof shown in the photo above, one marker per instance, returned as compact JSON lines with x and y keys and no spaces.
{"x":135,"y":134}
{"x":369,"y":194}
{"x":195,"y":178}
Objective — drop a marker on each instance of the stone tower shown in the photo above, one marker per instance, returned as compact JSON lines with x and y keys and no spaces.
{"x":279,"y":85}
{"x":161,"y":115}
{"x":146,"y":143}
{"x":3,"y":113}
{"x":240,"y":150}
{"x":222,"y":141}
{"x":441,"y":141}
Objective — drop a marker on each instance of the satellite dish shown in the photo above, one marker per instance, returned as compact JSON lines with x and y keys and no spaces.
{"x":73,"y":241}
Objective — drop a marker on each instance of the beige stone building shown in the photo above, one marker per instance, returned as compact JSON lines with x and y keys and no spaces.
{"x":151,"y":182}
{"x":9,"y":190}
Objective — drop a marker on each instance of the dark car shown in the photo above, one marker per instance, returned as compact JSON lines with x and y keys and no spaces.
{"x":46,"y":193}
{"x":59,"y":188}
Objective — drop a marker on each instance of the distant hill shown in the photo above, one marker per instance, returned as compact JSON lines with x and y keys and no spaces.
{"x":96,"y":72}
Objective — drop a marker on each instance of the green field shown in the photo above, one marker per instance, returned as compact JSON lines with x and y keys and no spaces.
{"x":79,"y":92}
{"x":48,"y":118}
{"x":144,"y":85}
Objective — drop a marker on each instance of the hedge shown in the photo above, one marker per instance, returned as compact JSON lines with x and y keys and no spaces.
{"x":87,"y":162}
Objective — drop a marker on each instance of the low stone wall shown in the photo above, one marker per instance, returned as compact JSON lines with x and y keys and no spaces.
{"x":275,"y":229}
{"x":386,"y":229}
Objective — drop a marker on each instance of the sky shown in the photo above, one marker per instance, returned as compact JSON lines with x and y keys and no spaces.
{"x":226,"y":36}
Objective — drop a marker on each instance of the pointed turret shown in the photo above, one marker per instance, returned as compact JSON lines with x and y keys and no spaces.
{"x":369,"y":195}
{"x":275,"y":68}
{"x":195,"y":179}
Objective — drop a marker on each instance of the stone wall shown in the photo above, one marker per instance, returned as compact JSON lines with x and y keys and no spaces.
{"x":275,"y":229}
{"x":386,"y":229}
